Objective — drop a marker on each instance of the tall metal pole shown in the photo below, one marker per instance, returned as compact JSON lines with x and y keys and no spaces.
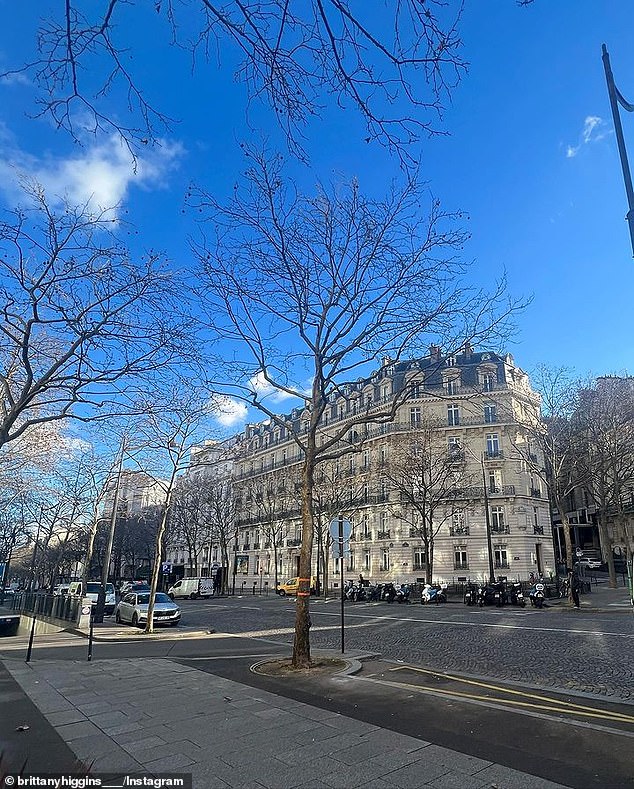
{"x":615,"y":99}
{"x":487,"y":517}
{"x":342,"y":584}
{"x":105,"y":570}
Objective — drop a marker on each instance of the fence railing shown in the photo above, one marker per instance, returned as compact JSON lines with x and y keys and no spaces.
{"x":62,"y":607}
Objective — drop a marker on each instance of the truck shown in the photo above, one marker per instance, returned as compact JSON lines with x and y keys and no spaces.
{"x":192,"y":588}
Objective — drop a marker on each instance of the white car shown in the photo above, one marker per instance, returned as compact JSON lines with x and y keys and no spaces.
{"x":589,"y":563}
{"x":92,"y":593}
{"x":133,"y":608}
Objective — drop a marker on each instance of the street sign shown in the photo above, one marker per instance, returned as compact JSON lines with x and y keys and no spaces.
{"x":167,"y":568}
{"x":340,"y":531}
{"x":340,"y":528}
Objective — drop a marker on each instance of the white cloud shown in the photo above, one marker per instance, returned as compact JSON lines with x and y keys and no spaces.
{"x":227,"y":411}
{"x":100,"y":176}
{"x":263,"y":389}
{"x":594,"y":129}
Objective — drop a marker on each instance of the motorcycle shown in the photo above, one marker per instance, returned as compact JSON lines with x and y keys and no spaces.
{"x":389,"y":592}
{"x":403,"y":593}
{"x":537,"y":595}
{"x":471,"y":595}
{"x":373,"y":593}
{"x":433,"y":593}
{"x":517,"y":595}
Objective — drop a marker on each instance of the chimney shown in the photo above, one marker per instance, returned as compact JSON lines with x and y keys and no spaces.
{"x":434,"y":352}
{"x":467,"y":350}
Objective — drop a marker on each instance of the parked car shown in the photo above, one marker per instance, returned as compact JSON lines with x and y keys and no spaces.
{"x":192,"y":588}
{"x":133,"y":608}
{"x":291,"y":587}
{"x":589,"y":563}
{"x":92,"y":593}
{"x":134,"y":586}
{"x":61,"y":589}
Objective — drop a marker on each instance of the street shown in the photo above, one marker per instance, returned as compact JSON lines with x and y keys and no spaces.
{"x":525,"y":688}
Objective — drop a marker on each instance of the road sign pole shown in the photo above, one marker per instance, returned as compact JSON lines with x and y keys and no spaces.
{"x":342,"y":584}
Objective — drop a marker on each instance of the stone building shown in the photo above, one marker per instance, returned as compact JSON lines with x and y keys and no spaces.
{"x":469,"y":414}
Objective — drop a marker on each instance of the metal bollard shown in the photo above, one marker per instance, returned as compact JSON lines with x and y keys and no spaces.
{"x":255,"y":583}
{"x":90,"y":632}
{"x":30,"y":647}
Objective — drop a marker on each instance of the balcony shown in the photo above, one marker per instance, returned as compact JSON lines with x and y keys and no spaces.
{"x":505,"y":490}
{"x":383,"y":535}
{"x":461,"y":565}
{"x":458,"y":531}
{"x":500,"y":530}
{"x":494,"y":454}
{"x":502,"y":566}
{"x":246,"y":546}
{"x":267,"y":544}
{"x":293,"y":543}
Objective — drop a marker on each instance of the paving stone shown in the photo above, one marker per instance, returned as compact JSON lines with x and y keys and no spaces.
{"x":177,"y":763}
{"x":72,"y":731}
{"x":453,"y":760}
{"x":414,"y":775}
{"x":133,"y":745}
{"x":65,"y":716}
{"x":499,"y":776}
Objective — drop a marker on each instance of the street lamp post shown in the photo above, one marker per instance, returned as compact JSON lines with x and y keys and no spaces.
{"x":487,"y":518}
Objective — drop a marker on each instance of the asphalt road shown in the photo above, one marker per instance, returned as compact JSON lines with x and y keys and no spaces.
{"x":554,"y":648}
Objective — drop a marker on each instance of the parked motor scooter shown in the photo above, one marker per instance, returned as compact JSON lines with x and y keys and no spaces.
{"x":403,"y":593}
{"x":389,"y":592}
{"x":537,"y":595}
{"x":471,"y":595}
{"x":433,"y":593}
{"x":517,"y":595}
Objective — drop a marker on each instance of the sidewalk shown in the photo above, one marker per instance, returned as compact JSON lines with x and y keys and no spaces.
{"x":601,"y":599}
{"x":155,"y":715}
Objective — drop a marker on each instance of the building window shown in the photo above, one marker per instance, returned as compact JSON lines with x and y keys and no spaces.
{"x":383,"y":522}
{"x":458,"y":523}
{"x":419,"y":559}
{"x":493,"y":445}
{"x":495,"y":481}
{"x":453,"y":415}
{"x":383,"y":455}
{"x":452,"y":385}
{"x":460,"y":559}
{"x":366,"y":459}
{"x":385,"y":559}
{"x":366,"y":561}
{"x":497,"y":519}
{"x":415,"y":391}
{"x":488,"y":382}
{"x":414,"y":417}
{"x":490,"y":414}
{"x":367,"y":533}
{"x":351,"y":564}
{"x":537,"y":527}
{"x":500,"y":557}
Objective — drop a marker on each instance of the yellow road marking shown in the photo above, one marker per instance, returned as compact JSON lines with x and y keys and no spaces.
{"x":567,"y":706}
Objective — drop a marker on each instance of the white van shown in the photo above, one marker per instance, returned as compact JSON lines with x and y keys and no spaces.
{"x":192,"y":588}
{"x":92,"y":593}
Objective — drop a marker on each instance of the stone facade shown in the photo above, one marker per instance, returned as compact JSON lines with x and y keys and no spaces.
{"x":471,"y":410}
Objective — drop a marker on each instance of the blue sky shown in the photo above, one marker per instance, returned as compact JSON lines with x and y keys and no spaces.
{"x":530,"y":156}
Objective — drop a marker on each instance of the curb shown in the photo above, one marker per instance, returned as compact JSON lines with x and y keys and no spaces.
{"x":125,"y":635}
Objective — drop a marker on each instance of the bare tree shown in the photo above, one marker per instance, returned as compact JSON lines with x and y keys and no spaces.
{"x":396,"y":65}
{"x":605,"y":421}
{"x":554,"y":432}
{"x":223,"y":509}
{"x":317,"y":287}
{"x":79,"y":321}
{"x":430,"y":481}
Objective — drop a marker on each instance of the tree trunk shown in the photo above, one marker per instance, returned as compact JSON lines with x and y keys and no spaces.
{"x":301,"y":644}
